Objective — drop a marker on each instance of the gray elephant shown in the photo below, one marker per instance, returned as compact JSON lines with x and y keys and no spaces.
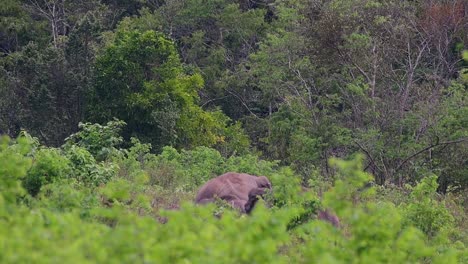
{"x":240,"y":190}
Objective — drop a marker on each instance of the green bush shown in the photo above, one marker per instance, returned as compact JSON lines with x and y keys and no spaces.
{"x":188,"y":169}
{"x":286,"y":188}
{"x":424,"y":211}
{"x":202,"y":163}
{"x":48,"y":165}
{"x":130,"y":218}
{"x":86,"y":170}
{"x":100,"y":140}
{"x":374,"y":231}
{"x":67,"y":196}
{"x":14,"y":165}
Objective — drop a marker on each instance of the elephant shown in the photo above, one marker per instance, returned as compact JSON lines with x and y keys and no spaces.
{"x":326,"y":215}
{"x":240,"y":190}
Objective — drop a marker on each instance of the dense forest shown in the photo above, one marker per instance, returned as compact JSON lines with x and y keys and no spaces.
{"x":113,"y":114}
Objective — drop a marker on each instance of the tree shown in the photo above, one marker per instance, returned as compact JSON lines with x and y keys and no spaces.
{"x":39,"y":93}
{"x":17,"y":27}
{"x":215,"y":36}
{"x":139,"y":79}
{"x":49,"y":49}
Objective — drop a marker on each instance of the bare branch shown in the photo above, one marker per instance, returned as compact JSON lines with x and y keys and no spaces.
{"x":428,"y":148}
{"x":368,"y":155}
{"x":214,"y":99}
{"x":242,"y":102}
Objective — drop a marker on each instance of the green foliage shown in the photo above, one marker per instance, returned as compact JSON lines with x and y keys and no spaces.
{"x":40,"y":105}
{"x":304,"y":150}
{"x":234,"y":140}
{"x":99,"y":140}
{"x":424,"y":211}
{"x":86,"y":170}
{"x":90,"y":151}
{"x":14,"y":165}
{"x":45,"y":67}
{"x":200,"y":86}
{"x":18,"y":27}
{"x":165,"y":169}
{"x":465,"y":55}
{"x":266,"y":233}
{"x":288,"y":193}
{"x":307,"y":80}
{"x":350,"y":186}
{"x":65,"y":196}
{"x":376,"y":230}
{"x":118,"y":221}
{"x":153,"y":93}
{"x":191,"y":168}
{"x":286,"y":188}
{"x":453,"y":126}
{"x":48,"y":166}
{"x":204,"y":164}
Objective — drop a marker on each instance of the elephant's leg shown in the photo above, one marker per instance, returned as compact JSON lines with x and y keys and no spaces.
{"x":253,"y":198}
{"x":238,"y":204}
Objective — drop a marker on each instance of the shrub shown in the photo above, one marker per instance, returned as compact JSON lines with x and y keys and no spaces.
{"x":166,"y":170}
{"x":115,"y":222}
{"x":100,"y":140}
{"x":286,"y":188}
{"x":48,"y":165}
{"x":188,"y":169}
{"x":424,"y":211}
{"x":86,"y":169}
{"x":14,"y":165}
{"x":67,"y":196}
{"x":250,"y":164}
{"x":203,"y":164}
{"x":374,"y":230}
